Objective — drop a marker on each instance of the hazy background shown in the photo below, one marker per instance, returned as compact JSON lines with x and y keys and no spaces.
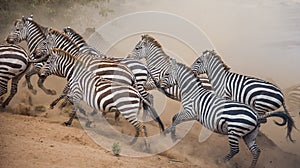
{"x":260,"y":38}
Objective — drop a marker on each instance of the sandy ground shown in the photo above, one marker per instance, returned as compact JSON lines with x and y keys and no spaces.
{"x":29,"y":138}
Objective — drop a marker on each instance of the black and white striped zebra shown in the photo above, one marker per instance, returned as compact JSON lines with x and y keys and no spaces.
{"x":261,"y":95}
{"x":218,"y":114}
{"x":99,"y":93}
{"x":157,"y":62}
{"x":106,"y":68}
{"x":13,"y":65}
{"x":139,"y":70}
{"x":28,"y":30}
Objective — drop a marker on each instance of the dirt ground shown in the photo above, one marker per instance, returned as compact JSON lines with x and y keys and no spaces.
{"x":33,"y":136}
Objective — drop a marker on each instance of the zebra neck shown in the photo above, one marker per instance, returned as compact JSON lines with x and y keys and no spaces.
{"x":65,"y":44}
{"x":188,"y":83}
{"x":217,"y":74}
{"x":158,"y":62}
{"x":80,"y":42}
{"x":34,"y":37}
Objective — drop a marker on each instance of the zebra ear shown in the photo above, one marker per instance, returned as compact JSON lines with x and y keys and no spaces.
{"x":23,"y":19}
{"x":30,"y":17}
{"x":66,"y":29}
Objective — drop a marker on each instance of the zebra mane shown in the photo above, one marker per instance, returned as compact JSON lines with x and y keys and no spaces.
{"x":156,"y":43}
{"x":58,"y":33}
{"x":151,"y":39}
{"x":213,"y":53}
{"x":190,"y":70}
{"x":64,"y":53}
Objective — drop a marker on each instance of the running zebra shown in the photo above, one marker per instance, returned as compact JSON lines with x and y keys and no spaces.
{"x":219,"y":115}
{"x":262,"y":96}
{"x":158,"y":63}
{"x":13,"y":65}
{"x":99,"y":93}
{"x":139,"y":70}
{"x":106,"y":68}
{"x":28,"y":30}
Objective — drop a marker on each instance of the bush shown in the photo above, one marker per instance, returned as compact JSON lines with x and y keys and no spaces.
{"x":116,"y":148}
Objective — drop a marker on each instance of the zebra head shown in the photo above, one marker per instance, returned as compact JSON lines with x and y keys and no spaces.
{"x":140,"y":51}
{"x":45,"y":46}
{"x":170,"y":77}
{"x":50,"y":65}
{"x":19,"y":31}
{"x":200,"y":65}
{"x":72,"y":33}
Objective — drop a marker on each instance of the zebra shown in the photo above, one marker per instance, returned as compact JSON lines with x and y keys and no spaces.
{"x":81,"y":43}
{"x":28,"y":30}
{"x":157,"y":62}
{"x":106,"y":68}
{"x":261,"y":95}
{"x":99,"y":93}
{"x":220,"y":115}
{"x":139,"y":70}
{"x":13,"y":65}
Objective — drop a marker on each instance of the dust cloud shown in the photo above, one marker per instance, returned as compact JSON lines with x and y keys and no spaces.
{"x":259,"y":38}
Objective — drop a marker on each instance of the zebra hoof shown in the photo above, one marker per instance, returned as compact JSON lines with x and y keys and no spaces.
{"x":51,"y":106}
{"x":67,"y":123}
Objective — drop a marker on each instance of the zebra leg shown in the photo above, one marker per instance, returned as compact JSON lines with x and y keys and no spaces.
{"x":3,"y":90}
{"x":72,"y":116}
{"x":117,"y":115}
{"x":63,"y":95}
{"x":56,"y":101}
{"x":148,"y":97}
{"x":41,"y":85}
{"x":64,"y":103}
{"x":147,"y":144}
{"x":31,"y":72}
{"x":13,"y":90}
{"x":147,"y":111}
{"x":137,"y":133}
{"x":250,"y":140}
{"x":177,"y":119}
{"x":234,"y":146}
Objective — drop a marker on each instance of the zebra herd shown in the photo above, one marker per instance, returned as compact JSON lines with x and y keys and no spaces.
{"x":225,"y":102}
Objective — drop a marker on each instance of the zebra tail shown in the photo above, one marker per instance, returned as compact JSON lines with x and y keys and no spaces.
{"x":153,"y":114}
{"x":287,"y":119}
